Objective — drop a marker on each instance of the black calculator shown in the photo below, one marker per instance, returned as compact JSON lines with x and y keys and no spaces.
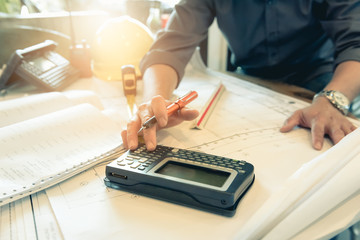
{"x":203,"y":181}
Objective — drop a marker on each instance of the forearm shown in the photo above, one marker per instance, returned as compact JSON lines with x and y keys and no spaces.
{"x":346,"y":79}
{"x":321,"y":116}
{"x":159,"y":79}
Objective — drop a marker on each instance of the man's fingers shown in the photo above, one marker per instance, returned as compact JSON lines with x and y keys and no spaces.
{"x":132,"y":135}
{"x":291,"y":122}
{"x":348,"y":128}
{"x":323,"y":119}
{"x":184,"y":114}
{"x":143,"y":114}
{"x":149,"y":135}
{"x":124,"y":138}
{"x":317,"y":134}
{"x":188,"y":114}
{"x":158,"y":105}
{"x":336,"y":134}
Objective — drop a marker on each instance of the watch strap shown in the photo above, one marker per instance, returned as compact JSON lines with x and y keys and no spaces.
{"x":330,"y":95}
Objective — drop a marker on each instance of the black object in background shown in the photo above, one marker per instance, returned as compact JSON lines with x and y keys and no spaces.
{"x":40,"y":65}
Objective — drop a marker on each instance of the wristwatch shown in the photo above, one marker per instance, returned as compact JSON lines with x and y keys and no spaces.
{"x":336,"y":98}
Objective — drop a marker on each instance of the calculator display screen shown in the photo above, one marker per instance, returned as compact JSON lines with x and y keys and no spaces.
{"x":194,"y":173}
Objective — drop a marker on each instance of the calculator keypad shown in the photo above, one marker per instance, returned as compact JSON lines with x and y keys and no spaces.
{"x":141,"y":159}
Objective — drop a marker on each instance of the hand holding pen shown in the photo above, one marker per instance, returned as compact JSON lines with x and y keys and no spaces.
{"x":172,"y":108}
{"x":176,"y":113}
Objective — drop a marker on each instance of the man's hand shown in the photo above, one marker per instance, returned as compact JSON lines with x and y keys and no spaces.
{"x":323,"y":119}
{"x":155,"y":107}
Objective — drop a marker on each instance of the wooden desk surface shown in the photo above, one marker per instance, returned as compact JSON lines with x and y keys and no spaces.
{"x":284,"y":88}
{"x":287,"y":89}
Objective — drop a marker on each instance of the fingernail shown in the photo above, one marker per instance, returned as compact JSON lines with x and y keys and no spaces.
{"x":317,"y":145}
{"x":283,"y":129}
{"x":132,"y":144}
{"x":150,"y":146}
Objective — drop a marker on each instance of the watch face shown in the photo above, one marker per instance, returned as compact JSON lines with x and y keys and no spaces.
{"x":340,"y":99}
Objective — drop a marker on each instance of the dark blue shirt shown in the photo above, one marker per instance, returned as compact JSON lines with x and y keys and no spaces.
{"x":267,"y":38}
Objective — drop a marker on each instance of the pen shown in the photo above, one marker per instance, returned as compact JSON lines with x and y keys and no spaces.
{"x":172,"y":108}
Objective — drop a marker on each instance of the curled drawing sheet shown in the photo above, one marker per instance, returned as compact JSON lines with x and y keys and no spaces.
{"x":313,"y":183}
{"x":321,"y":202}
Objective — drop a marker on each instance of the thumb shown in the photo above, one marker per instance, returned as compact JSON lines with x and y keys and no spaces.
{"x":188,"y":114}
{"x":291,"y":122}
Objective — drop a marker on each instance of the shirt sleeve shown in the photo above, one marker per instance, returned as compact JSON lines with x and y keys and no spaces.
{"x":187,"y":27}
{"x":341,"y":21}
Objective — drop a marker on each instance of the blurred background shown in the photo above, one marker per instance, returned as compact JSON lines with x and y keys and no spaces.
{"x":46,"y":13}
{"x":87,"y":15}
{"x":79,"y":25}
{"x":73,"y":23}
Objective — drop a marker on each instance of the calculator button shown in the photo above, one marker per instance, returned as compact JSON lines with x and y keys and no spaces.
{"x":135,"y":166}
{"x":142,"y":160}
{"x":175,"y":150}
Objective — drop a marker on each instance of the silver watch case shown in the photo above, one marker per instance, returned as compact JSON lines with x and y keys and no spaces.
{"x":337,"y":99}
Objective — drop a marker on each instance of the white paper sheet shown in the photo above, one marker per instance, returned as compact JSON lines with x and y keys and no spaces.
{"x":23,"y":108}
{"x":16,"y":221}
{"x":41,"y":150}
{"x":234,"y":130}
{"x":318,"y":187}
